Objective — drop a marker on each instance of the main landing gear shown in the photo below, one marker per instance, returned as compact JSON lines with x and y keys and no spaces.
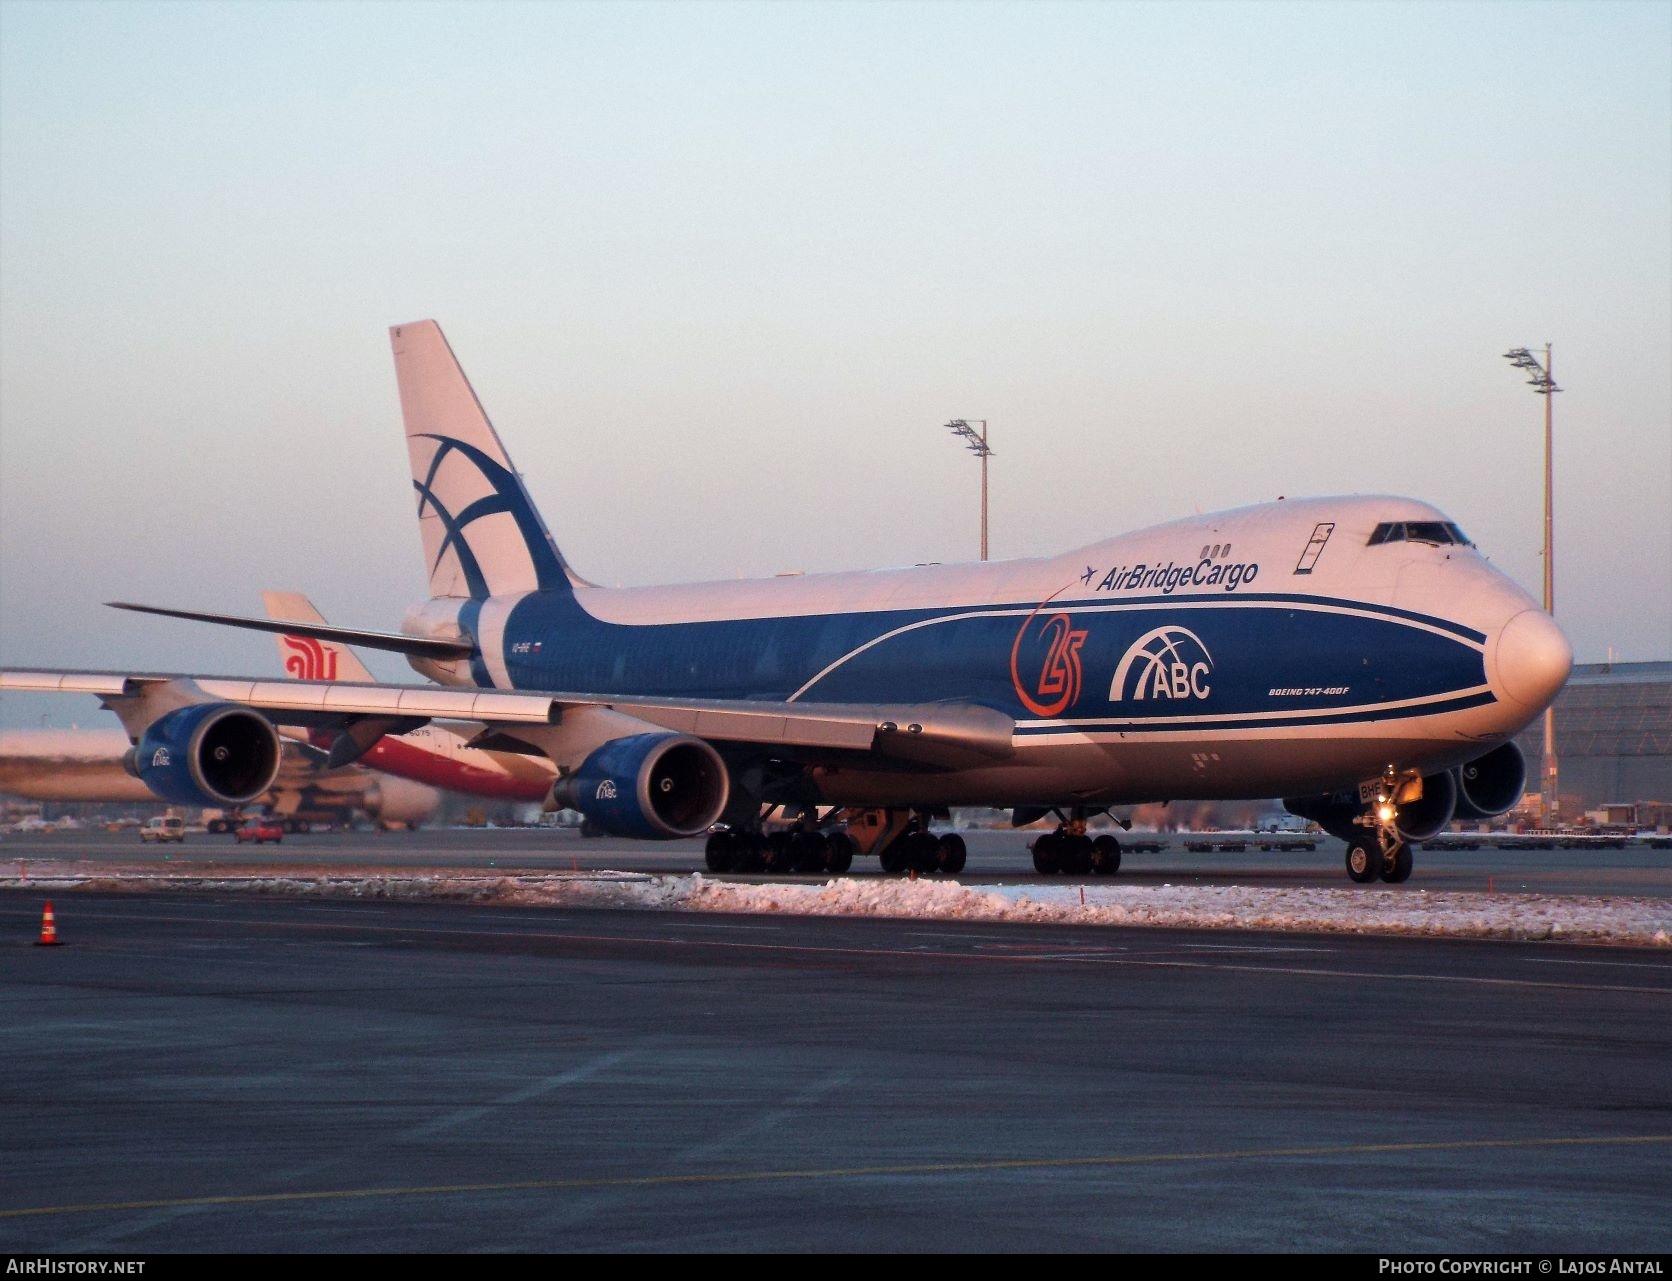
{"x":1070,"y":851}
{"x":803,"y":849}
{"x":904,"y":843}
{"x":900,"y":838}
{"x":917,"y":849}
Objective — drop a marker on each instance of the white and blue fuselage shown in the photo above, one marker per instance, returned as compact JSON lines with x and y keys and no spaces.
{"x":1267,"y":650}
{"x":1355,"y":656}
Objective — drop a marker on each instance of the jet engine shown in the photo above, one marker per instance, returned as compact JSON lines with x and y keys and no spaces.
{"x":1419,"y":820}
{"x":1335,"y":812}
{"x":1490,"y":785}
{"x":393,"y":800}
{"x":207,"y":754}
{"x":657,"y":786}
{"x":1428,"y":815}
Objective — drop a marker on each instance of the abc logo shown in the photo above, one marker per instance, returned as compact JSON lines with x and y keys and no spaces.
{"x":1170,"y":662}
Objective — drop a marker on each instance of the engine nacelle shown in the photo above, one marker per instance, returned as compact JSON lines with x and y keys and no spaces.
{"x":1491,"y":785}
{"x":208,"y":754}
{"x":1419,"y":820}
{"x":660,"y":786}
{"x":400,"y":800}
{"x":1427,"y":817}
{"x":1334,"y":812}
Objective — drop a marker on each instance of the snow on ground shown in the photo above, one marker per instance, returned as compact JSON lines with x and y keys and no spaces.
{"x":1643,"y":922}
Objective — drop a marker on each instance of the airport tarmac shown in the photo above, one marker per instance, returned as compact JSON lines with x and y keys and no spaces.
{"x":993,"y":855}
{"x":238,"y":1074}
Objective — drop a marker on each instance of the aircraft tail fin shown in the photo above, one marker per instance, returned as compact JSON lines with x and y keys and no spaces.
{"x":482,"y":535}
{"x":312,"y":658}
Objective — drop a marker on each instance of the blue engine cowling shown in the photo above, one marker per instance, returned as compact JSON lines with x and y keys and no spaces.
{"x":1335,"y":812}
{"x":208,"y":754}
{"x":1419,"y":820}
{"x":1426,"y":817}
{"x":1490,"y":785}
{"x":656,"y":786}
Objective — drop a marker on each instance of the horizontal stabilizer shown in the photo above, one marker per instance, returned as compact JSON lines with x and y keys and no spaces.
{"x":419,"y":646}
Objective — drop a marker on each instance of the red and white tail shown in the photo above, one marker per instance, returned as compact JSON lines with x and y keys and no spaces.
{"x":307,"y":658}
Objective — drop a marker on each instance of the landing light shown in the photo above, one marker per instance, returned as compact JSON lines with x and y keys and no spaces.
{"x":1385,"y":813}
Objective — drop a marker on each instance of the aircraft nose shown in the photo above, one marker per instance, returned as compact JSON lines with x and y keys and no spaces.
{"x":1532,"y":659}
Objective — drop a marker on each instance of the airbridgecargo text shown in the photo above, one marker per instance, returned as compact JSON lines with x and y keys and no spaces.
{"x":1168,"y":578}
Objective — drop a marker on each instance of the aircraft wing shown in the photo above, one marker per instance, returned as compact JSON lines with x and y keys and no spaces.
{"x":937,"y":735}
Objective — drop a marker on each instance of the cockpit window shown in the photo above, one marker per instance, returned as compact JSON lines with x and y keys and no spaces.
{"x":1435,"y":532}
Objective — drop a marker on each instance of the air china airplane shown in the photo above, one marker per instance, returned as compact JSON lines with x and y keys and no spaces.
{"x":1356,"y":655}
{"x":91,"y":765}
{"x":438,"y":754}
{"x":393,"y":782}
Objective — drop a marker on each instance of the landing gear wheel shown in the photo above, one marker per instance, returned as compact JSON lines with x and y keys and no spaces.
{"x":776,"y":855}
{"x":1105,"y":855}
{"x":1075,"y":855}
{"x":746,"y":852}
{"x":1364,"y":859}
{"x":921,"y":851}
{"x":1396,"y":865}
{"x":720,"y":854}
{"x":1047,"y":854}
{"x":807,"y":851}
{"x":893,"y":856}
{"x":950,"y":853}
{"x":838,"y":853}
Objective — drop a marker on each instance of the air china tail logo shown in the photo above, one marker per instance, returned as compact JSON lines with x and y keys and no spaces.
{"x":309,"y":660}
{"x":1055,"y":647}
{"x":1169,"y":662}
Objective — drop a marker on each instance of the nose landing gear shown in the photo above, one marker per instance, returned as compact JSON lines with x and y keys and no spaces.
{"x":1381,"y":853}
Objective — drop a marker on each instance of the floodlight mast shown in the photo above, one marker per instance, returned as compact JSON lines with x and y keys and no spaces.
{"x":1541,"y":378}
{"x":978,"y":446}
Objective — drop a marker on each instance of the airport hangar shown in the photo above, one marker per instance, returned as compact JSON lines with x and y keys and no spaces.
{"x":1613,"y":740}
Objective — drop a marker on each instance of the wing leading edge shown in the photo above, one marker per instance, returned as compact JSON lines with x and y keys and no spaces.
{"x":937,"y":735}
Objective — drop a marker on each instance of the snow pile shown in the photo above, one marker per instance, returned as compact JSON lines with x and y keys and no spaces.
{"x":1366,"y":910}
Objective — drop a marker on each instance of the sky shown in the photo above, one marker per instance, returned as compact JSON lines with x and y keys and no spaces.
{"x":721,"y":272}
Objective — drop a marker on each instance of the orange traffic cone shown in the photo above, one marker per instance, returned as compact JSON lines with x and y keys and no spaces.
{"x":49,"y":929}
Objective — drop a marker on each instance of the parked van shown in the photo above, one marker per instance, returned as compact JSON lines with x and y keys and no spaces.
{"x":163,"y":829}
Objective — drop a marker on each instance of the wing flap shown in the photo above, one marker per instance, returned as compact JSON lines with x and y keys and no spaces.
{"x":764,"y":724}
